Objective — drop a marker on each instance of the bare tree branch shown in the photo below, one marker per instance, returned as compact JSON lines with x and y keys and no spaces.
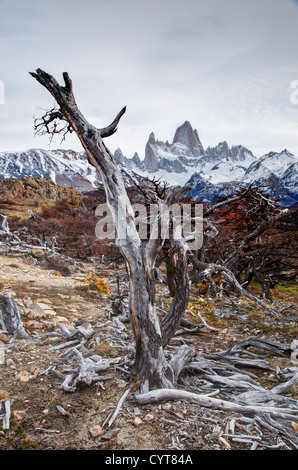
{"x":112,"y":128}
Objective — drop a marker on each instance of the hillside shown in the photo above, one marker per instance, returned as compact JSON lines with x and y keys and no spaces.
{"x":72,"y":300}
{"x":46,"y":417}
{"x":19,"y":196}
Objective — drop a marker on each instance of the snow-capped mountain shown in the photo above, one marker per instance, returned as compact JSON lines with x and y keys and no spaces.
{"x":66,"y":168}
{"x":63,"y":167}
{"x":214,"y":172}
{"x":177,"y":162}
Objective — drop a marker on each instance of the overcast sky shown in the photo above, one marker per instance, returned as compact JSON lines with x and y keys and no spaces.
{"x":224,"y":65}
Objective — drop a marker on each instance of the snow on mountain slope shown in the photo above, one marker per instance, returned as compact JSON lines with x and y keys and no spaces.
{"x":277,"y":172}
{"x":66,"y":168}
{"x":63,"y":167}
{"x":214,"y":172}
{"x":256,"y":172}
{"x":278,"y":163}
{"x":177,"y":162}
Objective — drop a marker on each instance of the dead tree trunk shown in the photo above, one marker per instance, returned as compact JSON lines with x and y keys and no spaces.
{"x":10,"y":320}
{"x":151,"y":367}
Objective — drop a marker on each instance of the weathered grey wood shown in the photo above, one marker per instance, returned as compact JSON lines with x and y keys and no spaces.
{"x":213,"y":268}
{"x":155,"y":396}
{"x":67,"y":344}
{"x":285,"y":386}
{"x":177,"y":363}
{"x":281,"y":427}
{"x":119,"y":405}
{"x":87,"y":372}
{"x":6,"y":414}
{"x":205,"y":364}
{"x":150,"y":337}
{"x":10,"y":320}
{"x":234,"y":383}
{"x":281,"y":349}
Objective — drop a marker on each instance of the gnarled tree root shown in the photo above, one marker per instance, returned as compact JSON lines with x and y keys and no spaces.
{"x":155,"y":396}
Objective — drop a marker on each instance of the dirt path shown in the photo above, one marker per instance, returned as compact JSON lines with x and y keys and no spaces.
{"x":35,"y":392}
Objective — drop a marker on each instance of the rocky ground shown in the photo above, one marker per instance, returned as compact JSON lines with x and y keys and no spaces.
{"x":44,"y":416}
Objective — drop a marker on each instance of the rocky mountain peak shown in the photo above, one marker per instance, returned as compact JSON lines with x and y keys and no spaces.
{"x":151,"y":153}
{"x":152,"y":138}
{"x":136,"y":159}
{"x":165,"y":156}
{"x":285,"y":151}
{"x":185,"y":135}
{"x":118,"y":155}
{"x":218,"y":169}
{"x":66,"y":168}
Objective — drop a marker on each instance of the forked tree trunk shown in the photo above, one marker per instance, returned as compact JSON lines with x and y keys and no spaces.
{"x":150,"y":364}
{"x":151,"y":367}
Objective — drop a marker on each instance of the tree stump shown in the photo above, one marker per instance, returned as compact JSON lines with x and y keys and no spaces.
{"x":10,"y":320}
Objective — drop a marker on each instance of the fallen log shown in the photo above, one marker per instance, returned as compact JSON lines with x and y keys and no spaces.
{"x":281,"y":349}
{"x":156,"y":396}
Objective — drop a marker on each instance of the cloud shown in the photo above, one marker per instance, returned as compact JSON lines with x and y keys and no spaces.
{"x":226,"y":66}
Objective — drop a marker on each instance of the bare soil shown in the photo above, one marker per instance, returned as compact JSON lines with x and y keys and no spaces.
{"x":36,"y":391}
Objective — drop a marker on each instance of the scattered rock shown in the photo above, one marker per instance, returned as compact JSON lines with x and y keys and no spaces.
{"x":34,"y":315}
{"x":43,"y":300}
{"x":35,"y":309}
{"x":96,"y":430}
{"x":23,"y":376}
{"x":137,"y":421}
{"x":34,"y":324}
{"x":10,"y":363}
{"x":23,"y":295}
{"x":19,"y":414}
{"x":149,"y":417}
{"x":4,"y":338}
{"x":295,"y":426}
{"x":59,"y":319}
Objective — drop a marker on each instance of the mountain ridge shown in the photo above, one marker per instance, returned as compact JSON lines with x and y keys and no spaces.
{"x":217,"y":170}
{"x":214,"y":171}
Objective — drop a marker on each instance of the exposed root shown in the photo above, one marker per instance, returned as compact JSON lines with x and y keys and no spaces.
{"x":160,"y":395}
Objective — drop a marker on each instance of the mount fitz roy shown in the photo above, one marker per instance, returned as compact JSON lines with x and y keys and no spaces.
{"x":215,"y":171}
